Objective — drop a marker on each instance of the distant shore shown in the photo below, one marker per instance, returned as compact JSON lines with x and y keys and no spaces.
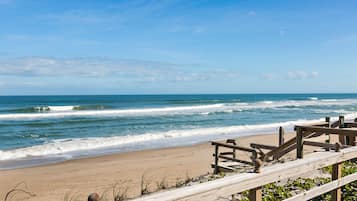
{"x":81,"y":177}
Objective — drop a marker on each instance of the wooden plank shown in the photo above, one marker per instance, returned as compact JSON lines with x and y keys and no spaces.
{"x":262,"y":146}
{"x":286,"y":145}
{"x":216,"y":170}
{"x":315,"y":134}
{"x":236,"y":160}
{"x":229,"y":185}
{"x":233,"y":146}
{"x":255,"y":194}
{"x":320,"y":144}
{"x":285,"y":151}
{"x":281,"y":136}
{"x":312,"y":193}
{"x":342,"y":138}
{"x":335,"y":124}
{"x":225,"y":153}
{"x":336,"y":195}
{"x":351,"y":124}
{"x":220,"y":166}
{"x":337,"y":131}
{"x":299,"y":143}
{"x":282,"y":147}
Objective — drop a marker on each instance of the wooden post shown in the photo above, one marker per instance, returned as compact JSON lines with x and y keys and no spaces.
{"x":216,"y":160}
{"x":281,"y":136}
{"x":299,"y":143}
{"x":336,"y":174}
{"x":233,"y":141}
{"x":255,"y":194}
{"x":342,"y":138}
{"x":328,"y":120}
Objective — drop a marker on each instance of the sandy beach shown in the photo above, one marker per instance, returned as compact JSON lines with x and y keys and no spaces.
{"x":78,"y":178}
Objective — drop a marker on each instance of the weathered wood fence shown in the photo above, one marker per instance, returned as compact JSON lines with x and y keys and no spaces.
{"x":223,"y":188}
{"x":343,"y":150}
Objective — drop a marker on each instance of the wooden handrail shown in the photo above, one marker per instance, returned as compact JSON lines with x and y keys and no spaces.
{"x":336,"y":131}
{"x":229,"y":185}
{"x":262,"y":146}
{"x":233,"y":146}
{"x":314,"y":192}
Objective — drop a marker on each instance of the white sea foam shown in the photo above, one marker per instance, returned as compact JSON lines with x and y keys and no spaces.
{"x":64,"y":146}
{"x":68,"y":111}
{"x":313,"y":98}
{"x":55,"y":108}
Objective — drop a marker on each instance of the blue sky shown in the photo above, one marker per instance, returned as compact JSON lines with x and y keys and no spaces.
{"x":175,"y":46}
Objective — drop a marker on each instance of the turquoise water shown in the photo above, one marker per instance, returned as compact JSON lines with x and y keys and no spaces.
{"x":38,"y":128}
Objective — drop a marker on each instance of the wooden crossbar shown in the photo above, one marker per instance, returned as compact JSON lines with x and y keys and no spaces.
{"x":229,"y":185}
{"x":233,"y":146}
{"x":262,"y":146}
{"x":340,"y":131}
{"x":307,"y":195}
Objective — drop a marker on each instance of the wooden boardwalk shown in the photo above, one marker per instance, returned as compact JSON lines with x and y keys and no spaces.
{"x":335,"y":154}
{"x":225,"y":187}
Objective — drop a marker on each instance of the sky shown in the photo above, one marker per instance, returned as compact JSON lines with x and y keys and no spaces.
{"x":177,"y":47}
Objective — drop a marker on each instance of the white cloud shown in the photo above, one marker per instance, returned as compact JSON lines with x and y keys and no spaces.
{"x":133,"y":70}
{"x":268,"y":76}
{"x":301,"y":75}
{"x":292,"y":75}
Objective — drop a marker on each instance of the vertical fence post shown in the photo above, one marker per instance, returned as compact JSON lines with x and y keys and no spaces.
{"x":281,"y":136}
{"x":342,"y":138}
{"x":255,"y":194}
{"x":328,"y":119}
{"x":216,"y":159}
{"x":299,"y":143}
{"x":336,"y":174}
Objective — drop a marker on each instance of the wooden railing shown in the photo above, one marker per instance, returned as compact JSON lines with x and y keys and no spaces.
{"x":229,"y":185}
{"x":231,"y":156}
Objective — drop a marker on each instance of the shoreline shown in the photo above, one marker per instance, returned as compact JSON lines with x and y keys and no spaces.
{"x":80,"y":177}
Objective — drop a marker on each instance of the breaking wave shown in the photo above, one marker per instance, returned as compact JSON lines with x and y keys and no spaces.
{"x":99,"y":110}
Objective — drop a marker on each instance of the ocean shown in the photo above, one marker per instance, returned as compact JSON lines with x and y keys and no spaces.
{"x":44,"y":129}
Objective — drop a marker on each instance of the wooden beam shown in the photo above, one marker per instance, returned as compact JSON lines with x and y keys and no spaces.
{"x":320,"y":144}
{"x":255,"y":194}
{"x":237,"y":183}
{"x":342,"y":138}
{"x":299,"y":143}
{"x":335,"y":124}
{"x":314,"y":192}
{"x":216,"y":170}
{"x":236,"y":160}
{"x":350,"y":124}
{"x":285,"y":151}
{"x":233,"y":146}
{"x":336,"y":131}
{"x":262,"y":146}
{"x":336,"y":195}
{"x":281,"y":136}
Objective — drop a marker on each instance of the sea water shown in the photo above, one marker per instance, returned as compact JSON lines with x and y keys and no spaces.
{"x":42,"y":129}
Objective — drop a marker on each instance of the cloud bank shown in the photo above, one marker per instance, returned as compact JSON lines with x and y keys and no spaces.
{"x":107,"y":68}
